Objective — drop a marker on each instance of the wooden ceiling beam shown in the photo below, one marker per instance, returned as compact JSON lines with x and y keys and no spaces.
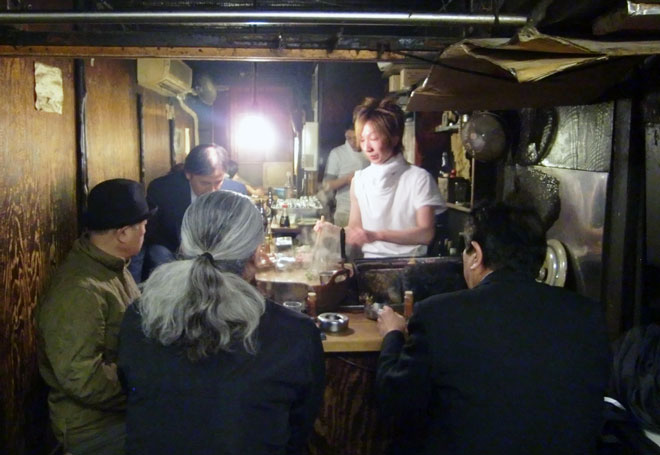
{"x":199,"y":53}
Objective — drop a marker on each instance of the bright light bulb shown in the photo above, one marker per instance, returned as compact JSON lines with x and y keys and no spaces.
{"x":256,"y":133}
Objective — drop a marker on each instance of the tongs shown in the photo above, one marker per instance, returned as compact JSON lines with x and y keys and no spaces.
{"x":342,"y":246}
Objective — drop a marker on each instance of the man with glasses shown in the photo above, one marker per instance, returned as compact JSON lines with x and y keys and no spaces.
{"x":507,"y":366}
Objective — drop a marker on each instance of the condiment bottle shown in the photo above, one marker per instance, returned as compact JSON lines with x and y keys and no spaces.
{"x":264,"y":215}
{"x":284,"y":217}
{"x":268,"y":240}
{"x":289,"y":186}
{"x":311,"y":304}
{"x":270,"y":200}
{"x":407,"y":304}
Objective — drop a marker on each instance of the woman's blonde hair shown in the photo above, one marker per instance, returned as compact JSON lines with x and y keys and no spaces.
{"x":387,"y":118}
{"x":201,"y":302}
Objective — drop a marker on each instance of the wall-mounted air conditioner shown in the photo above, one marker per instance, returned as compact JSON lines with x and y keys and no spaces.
{"x":310,"y":146}
{"x":164,"y":76}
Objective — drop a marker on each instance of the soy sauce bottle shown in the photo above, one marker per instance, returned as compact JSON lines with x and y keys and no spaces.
{"x":270,"y":201}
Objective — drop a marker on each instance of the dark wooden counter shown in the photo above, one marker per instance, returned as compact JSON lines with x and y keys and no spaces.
{"x":361,"y":336}
{"x":349,"y":422}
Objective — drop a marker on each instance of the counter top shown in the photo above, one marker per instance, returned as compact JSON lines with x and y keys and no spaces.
{"x":459,"y":207}
{"x":362,"y":336}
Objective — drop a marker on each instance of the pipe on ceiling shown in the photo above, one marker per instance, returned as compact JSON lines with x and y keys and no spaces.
{"x":262,"y":18}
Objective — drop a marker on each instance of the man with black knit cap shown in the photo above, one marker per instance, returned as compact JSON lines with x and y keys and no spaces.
{"x":78,"y":321}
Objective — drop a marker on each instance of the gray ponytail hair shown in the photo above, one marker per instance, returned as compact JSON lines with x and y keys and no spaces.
{"x":201,"y":302}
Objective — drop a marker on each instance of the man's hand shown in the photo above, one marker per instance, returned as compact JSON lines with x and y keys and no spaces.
{"x":389,"y":320}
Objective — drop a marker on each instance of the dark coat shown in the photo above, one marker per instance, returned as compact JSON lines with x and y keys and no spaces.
{"x":510,"y":367}
{"x":171,"y":193}
{"x":229,"y":403}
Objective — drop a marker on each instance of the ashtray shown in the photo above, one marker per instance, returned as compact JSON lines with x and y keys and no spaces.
{"x":332,"y":322}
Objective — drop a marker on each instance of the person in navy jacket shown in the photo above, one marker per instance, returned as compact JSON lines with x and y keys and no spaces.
{"x":507,"y":366}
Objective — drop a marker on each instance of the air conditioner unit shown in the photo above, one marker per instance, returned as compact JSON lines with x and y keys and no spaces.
{"x":310,"y":146}
{"x":164,"y":76}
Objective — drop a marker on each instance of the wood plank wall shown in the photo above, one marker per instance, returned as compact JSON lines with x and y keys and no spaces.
{"x":156,"y":137}
{"x":39,"y":212}
{"x":37,"y":228}
{"x":183,"y":121}
{"x":112,"y":126}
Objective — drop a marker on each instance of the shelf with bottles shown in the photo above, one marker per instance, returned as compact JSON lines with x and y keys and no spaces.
{"x":462,"y":194}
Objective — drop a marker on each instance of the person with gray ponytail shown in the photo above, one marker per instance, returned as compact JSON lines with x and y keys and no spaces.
{"x":208,"y":364}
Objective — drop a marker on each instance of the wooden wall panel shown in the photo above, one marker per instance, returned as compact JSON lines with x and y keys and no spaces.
{"x":156,"y":135}
{"x":349,"y":422}
{"x":182,"y":122}
{"x":37,"y":229}
{"x":112,"y":126}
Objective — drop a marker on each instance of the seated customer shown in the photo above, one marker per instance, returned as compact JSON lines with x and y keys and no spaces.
{"x":203,"y":172}
{"x":78,"y":321}
{"x":235,"y":180}
{"x":208,"y":365}
{"x":508,"y":366}
{"x":634,"y":386}
{"x":229,"y":183}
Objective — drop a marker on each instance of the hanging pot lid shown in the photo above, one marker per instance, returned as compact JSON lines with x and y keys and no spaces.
{"x":553,"y":271}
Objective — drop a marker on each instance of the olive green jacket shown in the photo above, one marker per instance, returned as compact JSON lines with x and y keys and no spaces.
{"x":78,"y":324}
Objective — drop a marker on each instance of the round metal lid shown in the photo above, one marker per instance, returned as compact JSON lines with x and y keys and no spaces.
{"x":553,"y":271}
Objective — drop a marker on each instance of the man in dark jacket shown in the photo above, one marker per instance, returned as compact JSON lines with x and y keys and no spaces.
{"x":78,"y":321}
{"x":203,"y":172}
{"x":508,"y":366}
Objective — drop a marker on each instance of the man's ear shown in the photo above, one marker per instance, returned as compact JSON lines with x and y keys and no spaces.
{"x":476,"y":260}
{"x":120,"y":233}
{"x":188,"y":175}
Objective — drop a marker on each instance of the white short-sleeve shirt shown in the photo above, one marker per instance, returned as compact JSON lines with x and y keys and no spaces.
{"x":389,"y":196}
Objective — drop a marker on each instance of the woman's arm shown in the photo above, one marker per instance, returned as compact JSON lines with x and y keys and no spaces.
{"x":354,"y":216}
{"x":421,"y":234}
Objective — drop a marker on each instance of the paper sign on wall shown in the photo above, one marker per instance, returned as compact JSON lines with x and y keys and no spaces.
{"x":48,"y":88}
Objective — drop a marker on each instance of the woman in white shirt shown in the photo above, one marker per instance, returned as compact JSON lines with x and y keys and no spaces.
{"x":393,"y":203}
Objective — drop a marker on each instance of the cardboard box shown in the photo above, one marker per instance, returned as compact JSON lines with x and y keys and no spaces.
{"x":394,"y":83}
{"x":410,"y":76}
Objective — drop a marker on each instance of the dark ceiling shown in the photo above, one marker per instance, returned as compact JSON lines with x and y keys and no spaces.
{"x":424,"y":39}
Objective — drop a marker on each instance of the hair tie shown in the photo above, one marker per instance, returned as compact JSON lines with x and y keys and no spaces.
{"x":209,"y":257}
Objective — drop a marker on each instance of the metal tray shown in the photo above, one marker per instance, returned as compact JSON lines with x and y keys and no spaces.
{"x":387,"y":279}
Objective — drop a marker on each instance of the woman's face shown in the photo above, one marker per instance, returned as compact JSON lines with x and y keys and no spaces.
{"x":375,"y":144}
